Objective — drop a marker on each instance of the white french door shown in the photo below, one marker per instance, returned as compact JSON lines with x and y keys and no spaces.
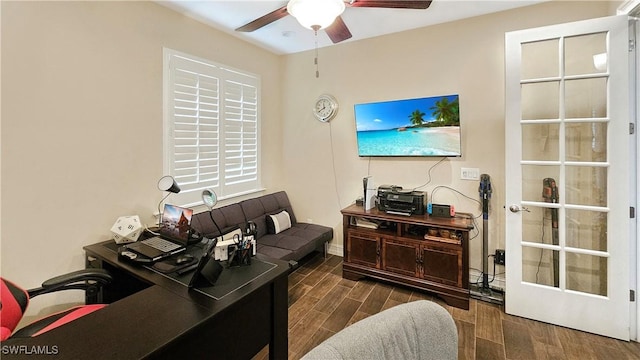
{"x":568,"y":177}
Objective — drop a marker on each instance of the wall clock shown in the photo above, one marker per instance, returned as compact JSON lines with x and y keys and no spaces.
{"x":326,"y":108}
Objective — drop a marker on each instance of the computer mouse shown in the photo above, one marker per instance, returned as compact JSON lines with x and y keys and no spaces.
{"x":183,"y":259}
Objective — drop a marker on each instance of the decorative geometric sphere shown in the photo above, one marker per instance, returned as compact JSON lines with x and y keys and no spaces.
{"x":126,"y":229}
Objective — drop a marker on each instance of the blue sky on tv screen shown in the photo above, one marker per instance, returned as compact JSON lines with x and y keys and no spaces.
{"x":394,"y":114}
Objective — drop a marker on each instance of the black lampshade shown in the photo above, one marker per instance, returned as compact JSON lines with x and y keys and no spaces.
{"x":168,"y":183}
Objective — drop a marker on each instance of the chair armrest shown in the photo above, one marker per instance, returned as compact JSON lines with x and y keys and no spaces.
{"x":78,"y":280}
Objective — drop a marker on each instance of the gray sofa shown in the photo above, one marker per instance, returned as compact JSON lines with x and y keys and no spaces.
{"x":417,"y":330}
{"x":291,"y":244}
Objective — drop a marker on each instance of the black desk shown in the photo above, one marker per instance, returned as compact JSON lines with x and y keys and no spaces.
{"x":152,"y":316}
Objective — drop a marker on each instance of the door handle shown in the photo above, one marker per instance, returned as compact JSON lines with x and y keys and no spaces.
{"x":516,"y":208}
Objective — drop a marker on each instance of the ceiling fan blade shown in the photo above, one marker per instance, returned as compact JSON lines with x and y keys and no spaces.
{"x":338,"y":31}
{"x":400,"y":4}
{"x":264,"y":20}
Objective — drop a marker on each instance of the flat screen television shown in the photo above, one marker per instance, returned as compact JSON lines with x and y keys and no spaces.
{"x":427,"y":126}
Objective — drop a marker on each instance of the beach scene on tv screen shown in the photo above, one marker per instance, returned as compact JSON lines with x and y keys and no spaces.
{"x":427,"y":126}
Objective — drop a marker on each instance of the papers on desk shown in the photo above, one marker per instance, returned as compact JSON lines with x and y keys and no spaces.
{"x":365,"y":223}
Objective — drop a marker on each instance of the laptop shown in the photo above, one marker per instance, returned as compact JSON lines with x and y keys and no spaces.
{"x":174,"y":234}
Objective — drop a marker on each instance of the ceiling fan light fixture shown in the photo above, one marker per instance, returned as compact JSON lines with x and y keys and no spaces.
{"x":315,"y":14}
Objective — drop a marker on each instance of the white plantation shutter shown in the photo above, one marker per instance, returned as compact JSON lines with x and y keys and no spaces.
{"x":241,"y":135}
{"x":211,"y":128}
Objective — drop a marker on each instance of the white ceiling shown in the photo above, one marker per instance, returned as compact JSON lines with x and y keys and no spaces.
{"x":287,"y":36}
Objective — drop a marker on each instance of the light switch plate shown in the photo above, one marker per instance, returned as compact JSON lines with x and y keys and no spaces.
{"x":469,"y":173}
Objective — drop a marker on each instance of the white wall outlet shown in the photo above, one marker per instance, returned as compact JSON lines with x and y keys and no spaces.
{"x":469,"y":173}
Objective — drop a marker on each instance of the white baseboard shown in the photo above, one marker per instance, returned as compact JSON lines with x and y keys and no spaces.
{"x":335,"y":250}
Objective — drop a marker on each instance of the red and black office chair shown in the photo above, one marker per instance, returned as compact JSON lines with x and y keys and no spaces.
{"x":14,"y":301}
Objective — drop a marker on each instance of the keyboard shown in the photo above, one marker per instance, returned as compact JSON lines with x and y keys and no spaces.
{"x":161,"y":244}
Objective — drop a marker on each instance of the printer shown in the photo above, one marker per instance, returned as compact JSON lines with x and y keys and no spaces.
{"x":392,"y":199}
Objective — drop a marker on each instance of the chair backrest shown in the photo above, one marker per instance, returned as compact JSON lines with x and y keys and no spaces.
{"x":13,"y":303}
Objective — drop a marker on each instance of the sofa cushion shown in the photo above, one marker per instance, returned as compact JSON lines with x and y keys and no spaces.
{"x":286,"y":247}
{"x":279,"y":222}
{"x":283,"y":241}
{"x":227,"y":217}
{"x":301,"y":239}
{"x":274,"y":252}
{"x":276,"y":202}
{"x":255,"y":210}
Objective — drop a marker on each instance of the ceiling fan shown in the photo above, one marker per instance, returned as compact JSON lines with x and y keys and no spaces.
{"x":336,"y":29}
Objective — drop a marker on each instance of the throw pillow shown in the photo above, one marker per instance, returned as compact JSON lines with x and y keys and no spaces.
{"x":279,"y":222}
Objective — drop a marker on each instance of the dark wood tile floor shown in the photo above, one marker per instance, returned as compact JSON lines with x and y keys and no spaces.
{"x":322,"y":303}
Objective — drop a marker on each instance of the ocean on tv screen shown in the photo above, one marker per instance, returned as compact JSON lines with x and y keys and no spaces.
{"x":433,"y":141}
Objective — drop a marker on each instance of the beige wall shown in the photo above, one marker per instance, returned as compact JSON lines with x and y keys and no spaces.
{"x":464,"y":57}
{"x":82,"y":123}
{"x":82,"y":118}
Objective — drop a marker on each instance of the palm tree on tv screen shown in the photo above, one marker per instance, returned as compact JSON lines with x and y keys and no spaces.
{"x":416,"y":117}
{"x":447,"y":113}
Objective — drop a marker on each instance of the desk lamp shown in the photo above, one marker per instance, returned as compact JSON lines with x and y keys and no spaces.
{"x":211,"y":271}
{"x":166,"y":183}
{"x":210,"y":199}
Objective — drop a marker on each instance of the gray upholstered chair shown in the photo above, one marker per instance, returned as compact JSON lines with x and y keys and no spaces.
{"x":416,"y":330}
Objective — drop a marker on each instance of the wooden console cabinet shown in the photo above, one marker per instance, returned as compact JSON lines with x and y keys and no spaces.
{"x":419,"y":251}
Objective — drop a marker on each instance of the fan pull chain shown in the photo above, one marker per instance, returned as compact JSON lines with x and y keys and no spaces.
{"x":315,"y":61}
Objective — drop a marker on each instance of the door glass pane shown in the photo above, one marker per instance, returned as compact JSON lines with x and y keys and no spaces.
{"x":540,"y":142}
{"x":539,"y":266}
{"x":540,"y":100}
{"x":580,"y":51}
{"x":586,"y":185}
{"x":533,"y":180}
{"x":540,"y":59}
{"x":586,"y":98}
{"x":586,"y":229}
{"x":540,"y":225}
{"x":587,"y":273}
{"x":586,"y":141}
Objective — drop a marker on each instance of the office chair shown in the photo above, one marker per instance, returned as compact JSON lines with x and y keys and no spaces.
{"x":14,"y":301}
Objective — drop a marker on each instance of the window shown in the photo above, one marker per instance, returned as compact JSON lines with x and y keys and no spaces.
{"x":211,"y":128}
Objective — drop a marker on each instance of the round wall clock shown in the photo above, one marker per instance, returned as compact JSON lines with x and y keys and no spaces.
{"x":326,"y":108}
